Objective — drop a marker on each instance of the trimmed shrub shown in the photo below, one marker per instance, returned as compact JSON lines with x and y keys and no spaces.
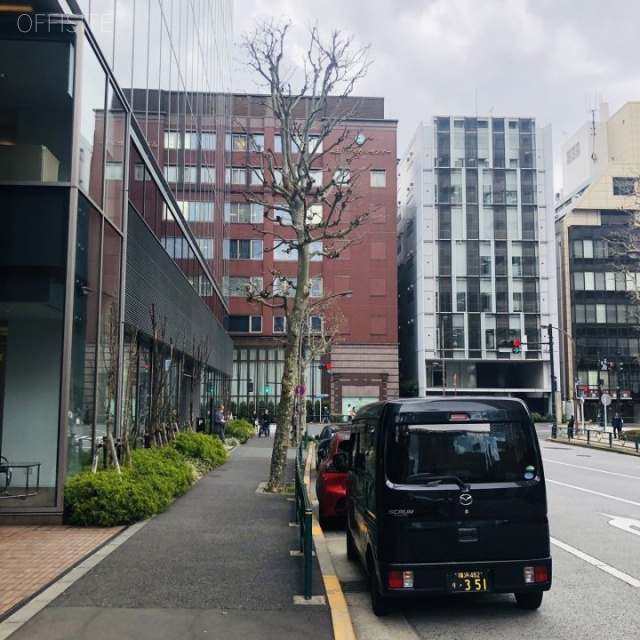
{"x":200,"y":446}
{"x":155,"y":478}
{"x":107,"y":499}
{"x":240,"y":429}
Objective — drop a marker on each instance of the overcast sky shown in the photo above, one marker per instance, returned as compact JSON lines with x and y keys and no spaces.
{"x":553,"y":60}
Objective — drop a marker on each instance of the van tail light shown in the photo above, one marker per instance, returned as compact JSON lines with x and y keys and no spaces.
{"x":400,"y":579}
{"x":536,"y":574}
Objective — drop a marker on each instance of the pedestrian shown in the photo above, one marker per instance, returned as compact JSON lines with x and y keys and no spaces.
{"x":352,"y":412}
{"x":325,"y":415}
{"x":265,"y":422}
{"x":617,"y":423}
{"x":218,"y":423}
{"x":570,"y":426}
{"x":254,"y":419}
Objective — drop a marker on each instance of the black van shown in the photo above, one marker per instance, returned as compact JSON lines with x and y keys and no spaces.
{"x":447,"y":495}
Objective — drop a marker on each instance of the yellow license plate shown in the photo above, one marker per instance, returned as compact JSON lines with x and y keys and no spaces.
{"x":469,"y":581}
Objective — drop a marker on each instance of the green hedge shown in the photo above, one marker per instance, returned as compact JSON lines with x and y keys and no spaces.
{"x":240,"y":429}
{"x":156,"y":477}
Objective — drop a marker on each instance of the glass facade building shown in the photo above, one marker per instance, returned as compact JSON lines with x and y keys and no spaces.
{"x":111,"y":297}
{"x":476,"y":259}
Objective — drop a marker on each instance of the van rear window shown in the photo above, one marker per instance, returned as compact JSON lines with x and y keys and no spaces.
{"x":487,"y":452}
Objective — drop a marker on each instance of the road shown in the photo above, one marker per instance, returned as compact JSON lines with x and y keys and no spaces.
{"x":594,"y":513}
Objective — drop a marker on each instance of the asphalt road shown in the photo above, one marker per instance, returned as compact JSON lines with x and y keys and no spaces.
{"x":594,"y":512}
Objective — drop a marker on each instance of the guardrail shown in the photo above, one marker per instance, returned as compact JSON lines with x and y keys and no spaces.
{"x":304,"y":520}
{"x":599,"y":435}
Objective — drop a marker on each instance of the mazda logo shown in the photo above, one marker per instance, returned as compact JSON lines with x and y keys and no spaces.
{"x":465,"y":499}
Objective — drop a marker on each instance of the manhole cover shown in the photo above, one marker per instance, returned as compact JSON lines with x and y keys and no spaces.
{"x":360,"y":586}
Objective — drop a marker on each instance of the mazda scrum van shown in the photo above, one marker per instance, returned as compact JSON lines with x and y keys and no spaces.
{"x":446,"y":495}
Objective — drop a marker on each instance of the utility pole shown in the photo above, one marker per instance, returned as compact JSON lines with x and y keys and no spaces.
{"x":554,"y":423}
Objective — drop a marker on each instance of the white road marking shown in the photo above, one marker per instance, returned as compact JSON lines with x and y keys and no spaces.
{"x":596,"y":493}
{"x":626,"y":524}
{"x":598,"y":563}
{"x":579,"y":466}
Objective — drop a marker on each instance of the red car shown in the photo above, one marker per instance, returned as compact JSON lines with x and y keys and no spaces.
{"x":330,"y":481}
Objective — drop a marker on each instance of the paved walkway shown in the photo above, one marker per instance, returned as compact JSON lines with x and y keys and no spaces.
{"x":216,"y":564}
{"x":597,"y":439}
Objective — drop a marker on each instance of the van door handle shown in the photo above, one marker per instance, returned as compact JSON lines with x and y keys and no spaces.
{"x":467,"y":534}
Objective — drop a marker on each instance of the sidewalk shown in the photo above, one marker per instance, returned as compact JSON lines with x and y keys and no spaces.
{"x":216,"y":564}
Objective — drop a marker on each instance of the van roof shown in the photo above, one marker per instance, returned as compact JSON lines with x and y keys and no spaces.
{"x":478,"y":407}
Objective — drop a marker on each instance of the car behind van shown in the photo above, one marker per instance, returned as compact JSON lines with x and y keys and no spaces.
{"x":446,"y":495}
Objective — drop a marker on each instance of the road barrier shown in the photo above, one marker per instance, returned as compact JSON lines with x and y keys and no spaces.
{"x":304,"y":520}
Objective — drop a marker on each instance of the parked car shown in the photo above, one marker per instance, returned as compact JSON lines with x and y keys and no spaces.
{"x":447,"y":495}
{"x":324,"y":439}
{"x":331,"y":481}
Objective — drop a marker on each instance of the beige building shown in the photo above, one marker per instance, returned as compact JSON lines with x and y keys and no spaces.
{"x":598,"y":332}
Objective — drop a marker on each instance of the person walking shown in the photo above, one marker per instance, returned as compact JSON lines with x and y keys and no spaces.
{"x":325,"y":415}
{"x":265,"y":422}
{"x":570,"y":427}
{"x":617,"y":423}
{"x":218,"y":423}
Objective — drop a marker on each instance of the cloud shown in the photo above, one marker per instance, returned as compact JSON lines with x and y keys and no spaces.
{"x":542,"y":58}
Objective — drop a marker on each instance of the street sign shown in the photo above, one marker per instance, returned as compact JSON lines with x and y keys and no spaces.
{"x":606,"y":399}
{"x":299,"y":390}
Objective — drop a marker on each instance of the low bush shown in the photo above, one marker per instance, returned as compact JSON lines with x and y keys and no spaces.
{"x":155,"y":478}
{"x":200,"y":446}
{"x":240,"y":429}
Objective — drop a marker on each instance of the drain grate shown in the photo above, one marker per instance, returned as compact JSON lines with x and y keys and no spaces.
{"x":356,"y":586}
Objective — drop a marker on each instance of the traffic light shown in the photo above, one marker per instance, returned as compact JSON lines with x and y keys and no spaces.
{"x":329,"y":369}
{"x":514,"y":345}
{"x":267,"y":388}
{"x":250,"y":386}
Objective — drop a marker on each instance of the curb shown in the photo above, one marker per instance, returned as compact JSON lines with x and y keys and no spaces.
{"x":340,"y":616}
{"x":577,"y":442}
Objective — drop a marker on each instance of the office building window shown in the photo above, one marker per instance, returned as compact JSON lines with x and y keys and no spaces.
{"x":140,"y":171}
{"x":171,"y":139}
{"x":342,"y":176}
{"x":624,"y":186}
{"x":208,"y":175}
{"x":171,"y":173}
{"x":208,"y":140}
{"x":279,"y":324}
{"x":243,"y":249}
{"x":236,"y":175}
{"x":243,"y":212}
{"x":190,"y":174}
{"x":197,"y":211}
{"x":243,"y":141}
{"x":283,"y":251}
{"x":248,"y":324}
{"x":239,"y":286}
{"x":378,"y":178}
{"x":191,"y":140}
{"x":206,"y":246}
{"x":113,"y":171}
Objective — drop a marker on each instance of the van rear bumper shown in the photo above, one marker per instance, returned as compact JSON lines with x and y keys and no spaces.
{"x":505,"y":576}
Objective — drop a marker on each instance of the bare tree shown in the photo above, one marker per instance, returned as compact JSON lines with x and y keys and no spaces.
{"x":201,"y":352}
{"x":310,"y":218}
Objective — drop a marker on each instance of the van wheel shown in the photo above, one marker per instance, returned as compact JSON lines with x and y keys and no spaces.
{"x":351,"y":546}
{"x":379,"y":603}
{"x":529,"y":601}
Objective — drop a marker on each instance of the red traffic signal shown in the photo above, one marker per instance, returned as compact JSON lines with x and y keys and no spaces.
{"x":328,"y":367}
{"x":515,"y":346}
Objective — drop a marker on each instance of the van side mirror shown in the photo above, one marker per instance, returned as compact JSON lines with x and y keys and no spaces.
{"x":341,"y":462}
